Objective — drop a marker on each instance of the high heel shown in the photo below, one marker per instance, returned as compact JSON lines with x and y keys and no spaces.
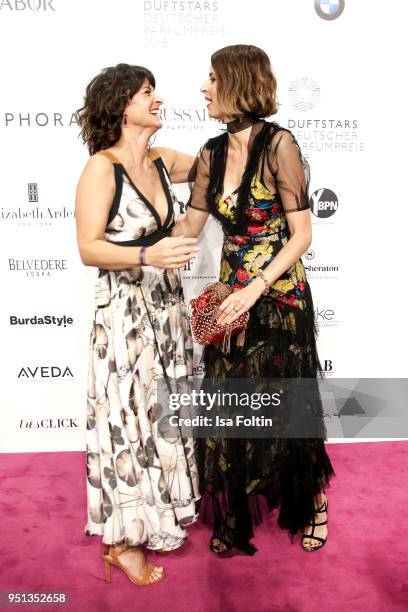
{"x":222,"y":540}
{"x":321,"y":510}
{"x":107,"y":570}
{"x":111,"y":557}
{"x":219,"y":546}
{"x":224,"y":549}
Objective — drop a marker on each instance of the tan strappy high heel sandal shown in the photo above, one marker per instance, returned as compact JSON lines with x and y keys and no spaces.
{"x":111,"y":557}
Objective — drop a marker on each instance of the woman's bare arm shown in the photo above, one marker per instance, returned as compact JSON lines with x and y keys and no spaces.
{"x":192,"y":224}
{"x":95,"y":192}
{"x":192,"y":169}
{"x":178,"y":164}
{"x":300,"y":227}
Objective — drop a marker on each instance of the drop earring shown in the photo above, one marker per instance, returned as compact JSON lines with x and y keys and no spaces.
{"x":151,"y":141}
{"x":124,"y":120}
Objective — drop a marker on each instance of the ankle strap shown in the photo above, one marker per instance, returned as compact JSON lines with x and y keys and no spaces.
{"x":322,"y":508}
{"x":110,"y":549}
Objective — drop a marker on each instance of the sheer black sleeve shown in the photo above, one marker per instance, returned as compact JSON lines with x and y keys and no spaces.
{"x":198,"y":179}
{"x":290,"y":171}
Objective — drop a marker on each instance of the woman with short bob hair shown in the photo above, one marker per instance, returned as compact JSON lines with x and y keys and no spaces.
{"x":254,"y":180}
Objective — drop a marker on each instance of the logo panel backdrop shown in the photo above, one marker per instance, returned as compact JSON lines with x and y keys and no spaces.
{"x":337,"y":66}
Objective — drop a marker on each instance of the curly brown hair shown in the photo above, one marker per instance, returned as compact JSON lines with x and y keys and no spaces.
{"x":105,"y":101}
{"x":246,"y":84}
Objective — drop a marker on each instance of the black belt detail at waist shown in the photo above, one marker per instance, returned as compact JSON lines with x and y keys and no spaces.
{"x":147,"y":240}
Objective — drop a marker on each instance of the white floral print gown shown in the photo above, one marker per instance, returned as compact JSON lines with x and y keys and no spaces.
{"x":141,"y":487}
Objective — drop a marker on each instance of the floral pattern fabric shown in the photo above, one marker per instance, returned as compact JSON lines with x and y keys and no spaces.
{"x":267,"y":231}
{"x":141,"y":486}
{"x":280,"y":342}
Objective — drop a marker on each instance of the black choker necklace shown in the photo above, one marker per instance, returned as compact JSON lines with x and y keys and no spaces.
{"x":239,"y":124}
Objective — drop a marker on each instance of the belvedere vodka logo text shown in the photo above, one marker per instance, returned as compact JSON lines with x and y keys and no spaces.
{"x":37,"y":268}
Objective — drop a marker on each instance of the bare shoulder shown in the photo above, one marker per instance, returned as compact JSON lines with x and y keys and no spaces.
{"x":178,"y":163}
{"x":99,"y":162}
{"x":167,"y":154}
{"x":97,"y":178}
{"x":98,"y":167}
{"x":155,"y":152}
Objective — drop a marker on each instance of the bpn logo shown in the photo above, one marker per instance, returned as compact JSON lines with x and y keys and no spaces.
{"x":329,"y":9}
{"x":323,"y":203}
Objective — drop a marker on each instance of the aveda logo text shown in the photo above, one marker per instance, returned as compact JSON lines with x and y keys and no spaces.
{"x":44,"y":372}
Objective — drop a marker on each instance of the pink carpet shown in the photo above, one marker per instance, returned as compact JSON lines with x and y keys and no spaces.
{"x":364,"y":565}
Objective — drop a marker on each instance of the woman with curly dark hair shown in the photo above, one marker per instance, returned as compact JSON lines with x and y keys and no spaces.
{"x":254,"y":180}
{"x":141,"y":486}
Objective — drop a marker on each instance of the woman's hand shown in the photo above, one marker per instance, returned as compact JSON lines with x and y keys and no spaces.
{"x":240,"y":301}
{"x":171,"y":253}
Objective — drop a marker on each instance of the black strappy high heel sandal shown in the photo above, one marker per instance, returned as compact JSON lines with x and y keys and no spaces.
{"x":219,"y":546}
{"x":323,"y":508}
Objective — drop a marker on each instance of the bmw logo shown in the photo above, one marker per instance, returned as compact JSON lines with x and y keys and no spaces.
{"x":329,"y":9}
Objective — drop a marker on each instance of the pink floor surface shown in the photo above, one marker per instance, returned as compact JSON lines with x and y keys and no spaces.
{"x":364,"y":565}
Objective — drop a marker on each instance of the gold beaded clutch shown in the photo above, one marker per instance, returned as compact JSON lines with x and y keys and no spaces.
{"x":203,"y":314}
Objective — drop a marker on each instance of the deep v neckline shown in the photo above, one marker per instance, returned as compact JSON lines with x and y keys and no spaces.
{"x":226,"y":196}
{"x":158,"y":162}
{"x":256,"y":128}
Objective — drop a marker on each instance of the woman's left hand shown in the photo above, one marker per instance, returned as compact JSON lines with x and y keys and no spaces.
{"x":240,"y":301}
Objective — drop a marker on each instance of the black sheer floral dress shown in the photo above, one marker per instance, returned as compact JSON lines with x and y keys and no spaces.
{"x":280,"y":340}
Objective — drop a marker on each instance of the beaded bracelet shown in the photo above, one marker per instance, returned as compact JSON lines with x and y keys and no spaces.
{"x":265,"y":280}
{"x":142,"y":254}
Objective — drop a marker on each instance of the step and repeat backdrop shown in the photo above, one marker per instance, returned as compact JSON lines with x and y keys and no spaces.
{"x":340,"y":86}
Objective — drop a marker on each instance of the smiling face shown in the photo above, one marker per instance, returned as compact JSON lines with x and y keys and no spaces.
{"x":209,"y":89}
{"x":144,"y":107}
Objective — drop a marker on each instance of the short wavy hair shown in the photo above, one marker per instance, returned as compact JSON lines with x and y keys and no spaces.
{"x":106,"y":97}
{"x":246,"y":84}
